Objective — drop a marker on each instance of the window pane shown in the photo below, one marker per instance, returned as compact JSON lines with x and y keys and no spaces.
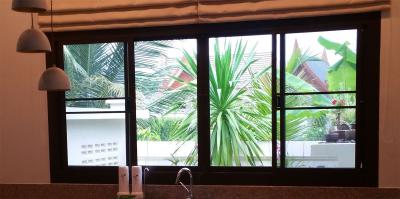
{"x":321,"y":61}
{"x":166,"y":102}
{"x":240,"y":101}
{"x":278,"y":62}
{"x":320,"y":100}
{"x":96,"y":139}
{"x":95,"y":70}
{"x":322,"y":138}
{"x":95,"y":105}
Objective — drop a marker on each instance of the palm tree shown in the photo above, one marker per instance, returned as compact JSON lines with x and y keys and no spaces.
{"x":240,"y":116}
{"x":97,"y":70}
{"x":146,"y":55}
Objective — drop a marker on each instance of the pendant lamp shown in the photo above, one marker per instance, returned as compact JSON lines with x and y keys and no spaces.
{"x":54,"y":78}
{"x":33,"y":41}
{"x":34,"y":6}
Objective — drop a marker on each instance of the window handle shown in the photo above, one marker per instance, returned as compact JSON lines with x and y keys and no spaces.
{"x":278,"y":101}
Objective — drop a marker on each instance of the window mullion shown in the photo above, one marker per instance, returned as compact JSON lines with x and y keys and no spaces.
{"x":282,"y":86}
{"x":131,"y":103}
{"x":203,"y":103}
{"x":359,"y":97}
{"x":274,"y":103}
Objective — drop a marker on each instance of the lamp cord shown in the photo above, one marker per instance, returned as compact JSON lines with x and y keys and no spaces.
{"x":198,"y":16}
{"x":51,"y":15}
{"x":32,"y":21}
{"x":52,"y":33}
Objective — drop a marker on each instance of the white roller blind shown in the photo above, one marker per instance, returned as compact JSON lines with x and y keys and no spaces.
{"x":106,"y":14}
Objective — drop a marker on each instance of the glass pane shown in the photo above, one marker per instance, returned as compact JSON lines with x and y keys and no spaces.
{"x":278,"y":62}
{"x":321,"y":61}
{"x":166,"y":102}
{"x":240,"y":101}
{"x":320,"y":100}
{"x":278,"y":139}
{"x":95,"y":105}
{"x":320,"y":138}
{"x":96,"y":139}
{"x":95,"y":70}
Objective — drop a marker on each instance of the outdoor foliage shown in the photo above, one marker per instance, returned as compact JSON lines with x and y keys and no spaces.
{"x":95,"y":70}
{"x":240,"y":112}
{"x":232,"y":133}
{"x":156,"y":129}
{"x":342,"y":74}
{"x":242,"y":116}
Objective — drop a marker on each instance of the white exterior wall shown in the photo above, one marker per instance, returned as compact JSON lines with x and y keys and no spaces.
{"x":99,"y":139}
{"x":96,"y":142}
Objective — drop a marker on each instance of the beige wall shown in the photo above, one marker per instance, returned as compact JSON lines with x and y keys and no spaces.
{"x":23,"y":113}
{"x":389,"y":138}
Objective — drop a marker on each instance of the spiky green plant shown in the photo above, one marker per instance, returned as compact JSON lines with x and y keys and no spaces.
{"x":240,"y":116}
{"x":232,"y":134}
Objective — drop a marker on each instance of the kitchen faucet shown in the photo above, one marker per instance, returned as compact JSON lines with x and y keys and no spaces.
{"x":177,"y":181}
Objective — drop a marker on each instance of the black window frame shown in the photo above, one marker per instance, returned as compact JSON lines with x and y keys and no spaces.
{"x":368,"y":49}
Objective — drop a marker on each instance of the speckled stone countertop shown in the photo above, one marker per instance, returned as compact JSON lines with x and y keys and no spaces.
{"x":81,"y":191}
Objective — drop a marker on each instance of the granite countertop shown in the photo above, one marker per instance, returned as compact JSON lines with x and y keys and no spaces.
{"x":83,"y":191}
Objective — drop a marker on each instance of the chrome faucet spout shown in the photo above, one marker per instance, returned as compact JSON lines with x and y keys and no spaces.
{"x":178,"y":182}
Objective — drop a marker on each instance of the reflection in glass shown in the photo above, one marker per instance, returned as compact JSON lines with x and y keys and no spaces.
{"x":166,"y":102}
{"x":240,"y":101}
{"x":321,"y":61}
{"x":96,"y":139}
{"x":323,"y":138}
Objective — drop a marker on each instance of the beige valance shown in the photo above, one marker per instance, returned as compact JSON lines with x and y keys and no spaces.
{"x":107,"y":14}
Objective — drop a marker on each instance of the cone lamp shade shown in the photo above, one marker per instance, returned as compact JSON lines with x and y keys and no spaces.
{"x":54,"y":79}
{"x":33,"y":41}
{"x":34,"y":6}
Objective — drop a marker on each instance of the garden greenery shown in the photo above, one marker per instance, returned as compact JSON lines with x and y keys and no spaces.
{"x":240,"y":113}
